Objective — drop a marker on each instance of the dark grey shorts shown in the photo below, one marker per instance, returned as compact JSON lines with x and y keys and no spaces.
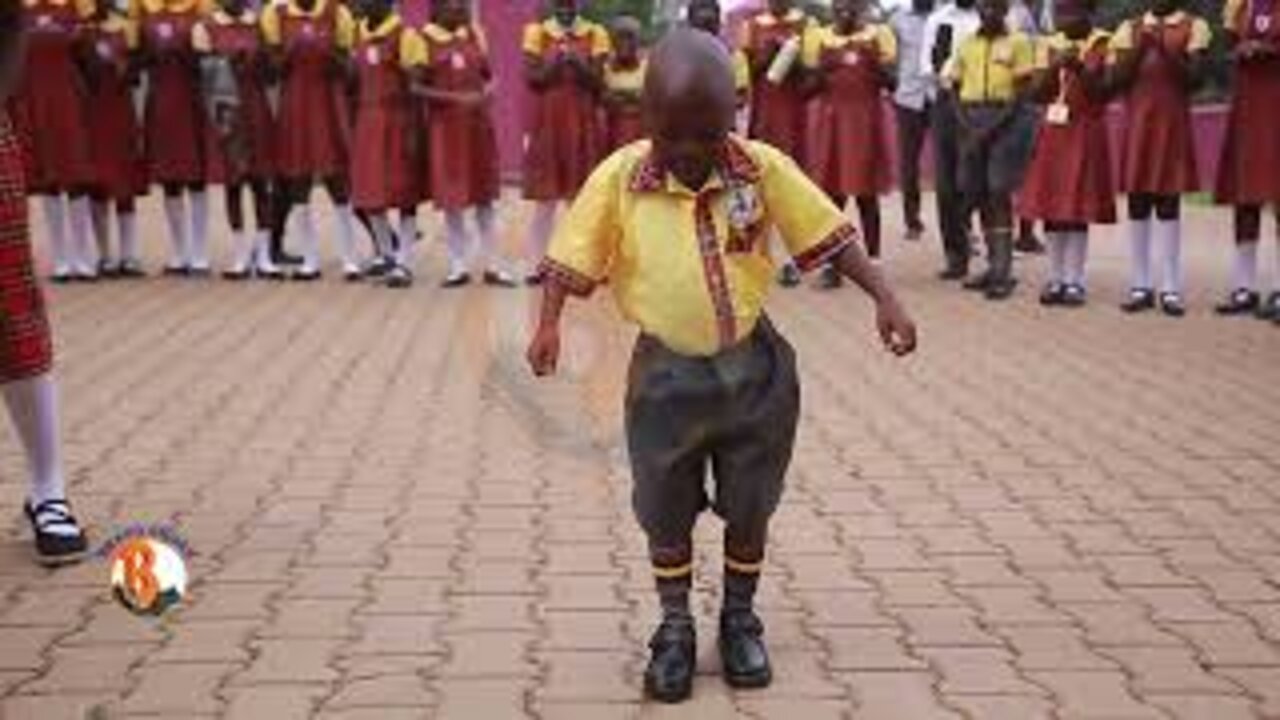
{"x":997,"y":167}
{"x":734,"y":413}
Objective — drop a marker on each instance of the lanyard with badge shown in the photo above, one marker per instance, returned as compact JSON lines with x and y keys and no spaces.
{"x":1059,"y":112}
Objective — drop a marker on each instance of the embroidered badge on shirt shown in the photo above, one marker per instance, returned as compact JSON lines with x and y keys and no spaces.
{"x":373,"y":56}
{"x":308,"y":29}
{"x":164,"y":30}
{"x":1262,"y":23}
{"x":457,"y":60}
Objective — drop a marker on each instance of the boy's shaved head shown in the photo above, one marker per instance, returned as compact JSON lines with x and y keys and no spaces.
{"x":689,"y":103}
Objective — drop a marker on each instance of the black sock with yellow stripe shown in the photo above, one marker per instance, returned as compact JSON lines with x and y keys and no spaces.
{"x":743,"y":562}
{"x":673,"y":573}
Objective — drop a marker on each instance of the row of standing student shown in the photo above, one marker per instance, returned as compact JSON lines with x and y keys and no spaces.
{"x":270,"y":104}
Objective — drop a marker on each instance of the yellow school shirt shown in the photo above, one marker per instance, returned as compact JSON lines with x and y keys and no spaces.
{"x":693,"y":268}
{"x":140,"y":8}
{"x":989,"y":69}
{"x":1125,"y":35}
{"x":344,"y":21}
{"x":84,"y":8}
{"x":537,"y":36}
{"x":625,"y":80}
{"x":433,"y":35}
{"x":1059,"y":42}
{"x":821,"y":37}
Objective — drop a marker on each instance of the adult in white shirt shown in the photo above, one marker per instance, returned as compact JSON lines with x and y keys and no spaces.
{"x":944,"y":31}
{"x":913,"y":98}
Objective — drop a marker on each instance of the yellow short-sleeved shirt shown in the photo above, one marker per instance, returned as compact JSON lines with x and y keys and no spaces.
{"x":1234,"y":16}
{"x":693,"y":268}
{"x":1126,"y":35}
{"x":1059,"y":42}
{"x":433,"y":34}
{"x":84,"y":8}
{"x":344,"y":22}
{"x":537,"y":36}
{"x":989,"y":69}
{"x":116,"y":23}
{"x":625,"y":80}
{"x":821,"y":37}
{"x":139,"y":8}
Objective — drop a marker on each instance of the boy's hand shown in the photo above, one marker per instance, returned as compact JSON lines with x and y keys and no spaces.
{"x":544,"y":351}
{"x":897,"y":331}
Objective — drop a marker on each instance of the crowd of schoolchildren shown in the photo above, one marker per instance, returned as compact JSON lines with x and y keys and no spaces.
{"x":270,"y":102}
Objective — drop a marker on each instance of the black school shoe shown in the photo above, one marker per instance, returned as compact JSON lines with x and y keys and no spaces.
{"x":1054,"y":293}
{"x":789,"y":276}
{"x":742,"y":651}
{"x":1074,"y":296}
{"x":1140,"y":300}
{"x":1171,"y":304}
{"x":60,"y":548}
{"x":1239,"y":302}
{"x":672,"y":661}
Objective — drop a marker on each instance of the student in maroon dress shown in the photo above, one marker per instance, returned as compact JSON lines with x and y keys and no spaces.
{"x":1249,"y":173}
{"x":53,"y":99}
{"x":26,"y":349}
{"x":564,"y":63}
{"x":462,"y":147}
{"x":241,"y":145}
{"x":119,"y":173}
{"x":850,"y":64}
{"x":174,"y":128}
{"x":777,"y":104}
{"x":1069,"y":184}
{"x":1158,"y":60}
{"x":310,"y":40}
{"x":385,"y":170}
{"x":623,"y":81}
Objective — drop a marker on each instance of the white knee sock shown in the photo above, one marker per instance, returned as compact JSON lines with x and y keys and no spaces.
{"x":175,"y":215}
{"x":128,"y":227}
{"x":199,"y":229}
{"x":540,"y":229}
{"x":84,"y":252}
{"x":346,"y":236}
{"x":262,"y":252}
{"x":241,"y":250}
{"x":1057,"y":256}
{"x":1140,"y":254}
{"x":55,"y":215}
{"x":33,"y":407}
{"x":101,"y":214}
{"x":487,"y":248}
{"x":408,"y":233}
{"x":310,"y":243}
{"x":1077,"y":256}
{"x":455,"y":238}
{"x":1244,"y":271}
{"x":1168,"y":236}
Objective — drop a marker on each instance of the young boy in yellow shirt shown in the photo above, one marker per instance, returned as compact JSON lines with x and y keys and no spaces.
{"x":989,"y":72}
{"x":679,"y":226}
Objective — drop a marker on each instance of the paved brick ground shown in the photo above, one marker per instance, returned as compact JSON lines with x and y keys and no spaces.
{"x":1070,"y":514}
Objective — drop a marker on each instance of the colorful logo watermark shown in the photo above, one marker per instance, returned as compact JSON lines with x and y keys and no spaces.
{"x":148,"y":568}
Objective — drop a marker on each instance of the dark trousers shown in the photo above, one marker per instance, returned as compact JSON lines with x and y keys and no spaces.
{"x":953,"y":222}
{"x":913,"y":126}
{"x":733,"y":414}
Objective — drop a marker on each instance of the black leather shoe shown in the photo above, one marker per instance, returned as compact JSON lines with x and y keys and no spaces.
{"x":1239,"y":302}
{"x":1140,"y":300}
{"x":789,"y":276}
{"x":672,"y":662}
{"x":742,"y":651}
{"x":1171,"y":304}
{"x":54,"y":548}
{"x":830,"y":278}
{"x":1054,"y":293}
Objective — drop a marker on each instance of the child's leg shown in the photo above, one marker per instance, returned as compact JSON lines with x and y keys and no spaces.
{"x":127,"y":227}
{"x":1077,"y":256}
{"x":997,"y":217}
{"x":33,"y":408}
{"x":407,"y":235}
{"x":264,"y":214}
{"x":84,"y":253}
{"x":1248,"y":226}
{"x":869,"y":216}
{"x":1056,"y":236}
{"x":341,"y":197}
{"x":281,"y":209}
{"x":540,"y":228}
{"x":241,"y":243}
{"x":55,"y":214}
{"x":1141,"y":206}
{"x":199,"y":255}
{"x":1168,"y":240}
{"x":100,"y":214}
{"x":489,"y":257}
{"x":455,"y":238}
{"x":175,"y":215}
{"x":299,"y":194}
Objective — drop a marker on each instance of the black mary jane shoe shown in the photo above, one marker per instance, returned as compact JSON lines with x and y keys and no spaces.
{"x":399,"y":277}
{"x":1140,"y":300}
{"x":131,"y":270}
{"x":1171,"y":304}
{"x":286,"y":258}
{"x":235,"y":275}
{"x":56,"y":548}
{"x":177,"y":271}
{"x":378,"y":267}
{"x":742,"y":651}
{"x":304,"y":275}
{"x":1054,"y":294}
{"x":672,"y":662}
{"x":497,"y":278}
{"x":1074,"y":296}
{"x":109,"y":270}
{"x":1239,"y":302}
{"x":1269,"y":309}
{"x":456,"y":280}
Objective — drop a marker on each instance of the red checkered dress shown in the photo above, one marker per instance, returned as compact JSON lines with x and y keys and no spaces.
{"x":25,"y":346}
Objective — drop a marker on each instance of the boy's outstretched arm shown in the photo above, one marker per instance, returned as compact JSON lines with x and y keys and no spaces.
{"x":897,"y":330}
{"x":544,"y":350}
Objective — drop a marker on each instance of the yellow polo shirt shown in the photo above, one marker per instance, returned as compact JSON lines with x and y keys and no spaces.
{"x":820,"y":37}
{"x":693,"y":268}
{"x":1125,"y":35}
{"x":537,"y":36}
{"x":344,"y":22}
{"x":989,"y":69}
{"x":626,"y":80}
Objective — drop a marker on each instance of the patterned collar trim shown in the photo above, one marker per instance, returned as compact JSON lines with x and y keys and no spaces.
{"x":736,"y":168}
